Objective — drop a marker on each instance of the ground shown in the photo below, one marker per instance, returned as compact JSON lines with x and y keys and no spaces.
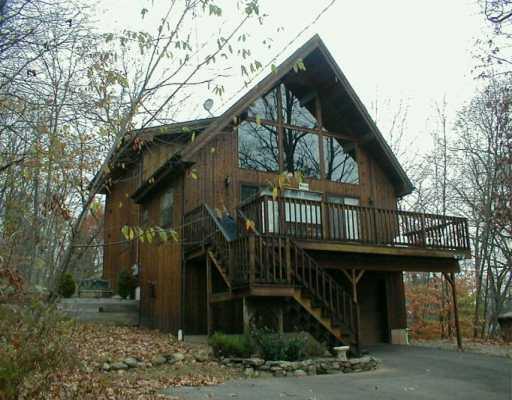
{"x":496,"y":347}
{"x":407,"y":372}
{"x":96,"y":344}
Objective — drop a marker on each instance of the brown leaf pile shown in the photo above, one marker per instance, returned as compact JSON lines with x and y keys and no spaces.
{"x":96,"y":344}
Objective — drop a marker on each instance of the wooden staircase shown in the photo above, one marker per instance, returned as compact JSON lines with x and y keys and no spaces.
{"x":251,"y":259}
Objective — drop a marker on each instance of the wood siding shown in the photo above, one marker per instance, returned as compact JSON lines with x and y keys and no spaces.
{"x":120,"y":210}
{"x":220,"y":178}
{"x":160,"y":270}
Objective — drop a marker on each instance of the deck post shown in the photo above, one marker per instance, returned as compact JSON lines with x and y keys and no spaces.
{"x":209,"y":290}
{"x":450,"y":277}
{"x":252,"y":259}
{"x":288,"y":255}
{"x":354,"y":279}
{"x":246,"y":316}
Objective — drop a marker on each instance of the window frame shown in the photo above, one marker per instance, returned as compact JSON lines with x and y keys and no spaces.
{"x":280,"y":126}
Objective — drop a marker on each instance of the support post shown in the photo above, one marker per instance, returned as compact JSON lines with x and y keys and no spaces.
{"x":252,"y":259}
{"x":209,"y":291}
{"x":288,"y":254}
{"x":450,"y":277}
{"x":354,"y":279}
{"x":246,"y":316}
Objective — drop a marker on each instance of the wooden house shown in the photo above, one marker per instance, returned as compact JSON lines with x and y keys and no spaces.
{"x":285,"y":209}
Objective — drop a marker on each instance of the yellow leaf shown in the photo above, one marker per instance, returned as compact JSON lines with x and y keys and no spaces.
{"x":212,"y":150}
{"x":250,"y":225}
{"x":125,"y":230}
{"x":275,"y":192}
{"x":174,"y":235}
{"x":163,"y":235}
{"x":193,"y":174}
{"x":120,"y":204}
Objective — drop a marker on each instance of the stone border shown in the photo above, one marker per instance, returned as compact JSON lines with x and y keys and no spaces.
{"x":255,"y":367}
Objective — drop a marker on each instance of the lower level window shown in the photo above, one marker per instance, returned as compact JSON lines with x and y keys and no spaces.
{"x":166,"y":208}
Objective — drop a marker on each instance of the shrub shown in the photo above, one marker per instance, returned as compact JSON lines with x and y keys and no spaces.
{"x":274,"y":346}
{"x":126,"y":284}
{"x":231,"y":345}
{"x":34,"y":343}
{"x":66,"y":285}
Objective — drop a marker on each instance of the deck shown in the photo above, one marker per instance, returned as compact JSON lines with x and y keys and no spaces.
{"x":328,"y":226}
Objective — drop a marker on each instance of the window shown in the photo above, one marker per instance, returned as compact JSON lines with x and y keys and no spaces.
{"x":295,"y":113}
{"x":340,"y":160}
{"x":343,"y":221}
{"x":302,"y":152}
{"x":248,"y":192}
{"x":258,"y":147}
{"x":166,"y":208}
{"x":265,"y":107}
{"x":282,"y":132}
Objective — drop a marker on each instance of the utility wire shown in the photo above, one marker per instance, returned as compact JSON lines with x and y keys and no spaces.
{"x":285,"y":48}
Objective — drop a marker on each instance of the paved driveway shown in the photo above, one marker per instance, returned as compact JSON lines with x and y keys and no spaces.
{"x":406,"y":373}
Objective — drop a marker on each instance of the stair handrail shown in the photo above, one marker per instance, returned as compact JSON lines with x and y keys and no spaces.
{"x":332,"y":283}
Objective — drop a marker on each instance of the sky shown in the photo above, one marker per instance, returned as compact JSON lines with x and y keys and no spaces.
{"x":413,"y":52}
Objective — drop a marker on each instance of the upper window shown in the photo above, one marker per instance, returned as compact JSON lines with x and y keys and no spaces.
{"x":166,"y":208}
{"x":340,"y":160}
{"x":265,"y":107}
{"x":282,"y":132}
{"x":258,"y":146}
{"x":301,"y":152}
{"x":295,"y":113}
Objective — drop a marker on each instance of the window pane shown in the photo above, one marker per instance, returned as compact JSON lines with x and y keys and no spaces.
{"x":340,"y":160}
{"x":257,"y":147}
{"x":265,"y":107}
{"x":166,"y":208}
{"x":302,"y":152}
{"x":248,"y":192}
{"x":296,"y":114}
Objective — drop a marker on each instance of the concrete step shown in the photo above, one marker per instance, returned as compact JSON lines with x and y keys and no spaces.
{"x":120,"y":319}
{"x":108,"y":311}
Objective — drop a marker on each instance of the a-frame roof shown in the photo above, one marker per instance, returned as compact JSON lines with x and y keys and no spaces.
{"x":343,"y":108}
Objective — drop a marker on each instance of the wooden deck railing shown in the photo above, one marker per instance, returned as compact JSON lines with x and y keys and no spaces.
{"x":314,"y":220}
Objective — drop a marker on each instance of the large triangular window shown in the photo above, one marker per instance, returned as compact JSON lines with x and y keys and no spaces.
{"x":281,"y":131}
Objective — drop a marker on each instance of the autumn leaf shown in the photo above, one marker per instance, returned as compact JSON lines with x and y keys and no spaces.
{"x":125,"y":230}
{"x":162,"y":235}
{"x":250,"y":225}
{"x":275,"y":193}
{"x":174,"y":235}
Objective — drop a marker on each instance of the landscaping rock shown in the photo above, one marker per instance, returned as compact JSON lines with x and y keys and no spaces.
{"x":105,"y":367}
{"x":249,"y":372}
{"x":118,"y":366}
{"x":159,"y":360}
{"x":312,"y":370}
{"x":131,"y":362}
{"x":254,"y":362}
{"x":201,"y":356}
{"x":299,"y":373}
{"x":178,"y":356}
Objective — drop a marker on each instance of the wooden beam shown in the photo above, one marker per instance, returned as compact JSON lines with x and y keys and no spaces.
{"x":384,"y":250}
{"x":209,"y":291}
{"x":357,"y":314}
{"x":451,"y":280}
{"x":220,"y":270}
